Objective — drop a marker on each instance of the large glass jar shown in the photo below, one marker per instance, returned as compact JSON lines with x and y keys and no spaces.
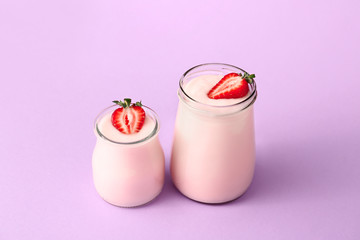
{"x":213,"y":154}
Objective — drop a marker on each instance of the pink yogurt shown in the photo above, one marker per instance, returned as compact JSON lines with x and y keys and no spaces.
{"x":213,"y":154}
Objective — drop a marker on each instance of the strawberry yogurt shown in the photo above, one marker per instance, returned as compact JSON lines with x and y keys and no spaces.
{"x":213,"y":154}
{"x":128,"y":169}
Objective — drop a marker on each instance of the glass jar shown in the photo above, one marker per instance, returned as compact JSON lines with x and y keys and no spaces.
{"x":213,"y":153}
{"x":128,"y":173}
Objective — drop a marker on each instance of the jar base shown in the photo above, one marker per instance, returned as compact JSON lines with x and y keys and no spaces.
{"x":211,"y":203}
{"x":136,"y":205}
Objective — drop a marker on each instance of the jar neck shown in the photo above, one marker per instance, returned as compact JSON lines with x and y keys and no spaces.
{"x":208,"y":109}
{"x":102,"y":136}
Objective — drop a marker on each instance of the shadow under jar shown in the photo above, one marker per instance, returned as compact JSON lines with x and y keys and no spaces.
{"x":213,"y":153}
{"x":129,"y":172}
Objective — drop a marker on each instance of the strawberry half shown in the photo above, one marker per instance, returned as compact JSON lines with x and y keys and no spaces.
{"x":129,"y":118}
{"x":232,"y":85}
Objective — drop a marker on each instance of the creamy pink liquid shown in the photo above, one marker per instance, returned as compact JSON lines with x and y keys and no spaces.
{"x":127,"y":175}
{"x":213,"y":153}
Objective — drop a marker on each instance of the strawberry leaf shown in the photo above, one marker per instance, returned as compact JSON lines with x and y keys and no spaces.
{"x":249,"y":77}
{"x":139,"y":104}
{"x":125,"y":104}
{"x":118,"y":102}
{"x":127,"y":101}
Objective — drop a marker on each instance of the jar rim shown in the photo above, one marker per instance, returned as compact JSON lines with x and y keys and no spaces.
{"x":252,"y":96}
{"x":147,"y":109}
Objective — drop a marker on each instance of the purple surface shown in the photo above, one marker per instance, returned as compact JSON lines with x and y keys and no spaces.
{"x":62,"y":62}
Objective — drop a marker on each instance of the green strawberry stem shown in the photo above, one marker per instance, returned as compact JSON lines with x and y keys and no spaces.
{"x":127,"y":103}
{"x":248,"y":77}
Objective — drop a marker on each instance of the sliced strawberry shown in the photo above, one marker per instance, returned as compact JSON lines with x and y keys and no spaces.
{"x":232,"y":85}
{"x":129,"y":118}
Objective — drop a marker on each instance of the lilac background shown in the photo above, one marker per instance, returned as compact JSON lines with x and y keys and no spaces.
{"x":61,"y":62}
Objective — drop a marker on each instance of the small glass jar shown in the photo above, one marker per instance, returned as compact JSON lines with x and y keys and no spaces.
{"x":213,"y":154}
{"x":128,"y":174}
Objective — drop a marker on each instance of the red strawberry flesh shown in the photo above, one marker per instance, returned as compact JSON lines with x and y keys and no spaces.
{"x":232,"y":85}
{"x":128,"y":119}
